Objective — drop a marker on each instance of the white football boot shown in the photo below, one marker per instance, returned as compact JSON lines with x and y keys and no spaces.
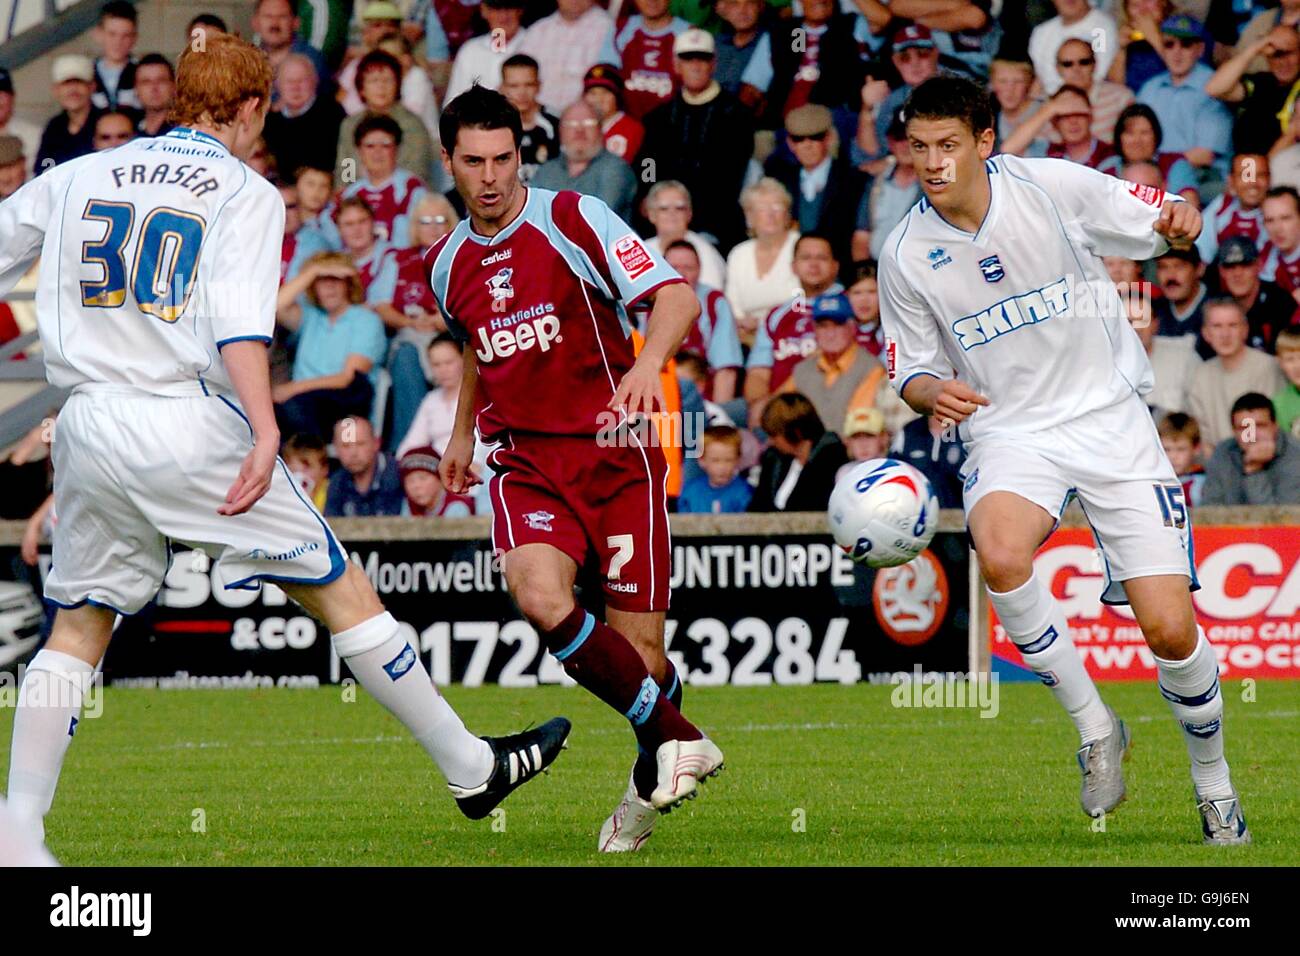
{"x":630,"y":825}
{"x":683,"y":765}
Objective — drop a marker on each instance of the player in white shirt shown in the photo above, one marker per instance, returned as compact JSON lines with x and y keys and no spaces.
{"x":1000,"y":317}
{"x":156,"y":306}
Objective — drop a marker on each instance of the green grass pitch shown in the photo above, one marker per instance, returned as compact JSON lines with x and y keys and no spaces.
{"x":815,"y":775}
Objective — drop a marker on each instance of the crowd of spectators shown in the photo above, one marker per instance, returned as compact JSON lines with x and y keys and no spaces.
{"x":759,"y":146}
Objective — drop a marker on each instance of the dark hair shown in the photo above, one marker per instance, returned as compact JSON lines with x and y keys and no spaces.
{"x":119,"y":9}
{"x":446,"y":338}
{"x":951,"y":97}
{"x":157,"y":59}
{"x":1128,"y":113}
{"x":207,"y":20}
{"x":792,"y":416}
{"x":377,"y":121}
{"x":377,"y":60}
{"x":681,"y":244}
{"x":816,"y":235}
{"x":313,"y":168}
{"x":1067,"y":88}
{"x":478,"y":108}
{"x":862,"y":269}
{"x":1254,"y":402}
{"x":303,"y":443}
{"x":1277,"y":191}
{"x":518,"y":60}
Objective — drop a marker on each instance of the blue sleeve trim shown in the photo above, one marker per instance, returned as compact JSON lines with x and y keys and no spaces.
{"x":910,"y":377}
{"x":244,"y":338}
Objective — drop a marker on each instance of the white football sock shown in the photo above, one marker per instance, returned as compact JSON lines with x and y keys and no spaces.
{"x":1036,"y":623}
{"x":390,"y":670}
{"x":1192,"y":688}
{"x":49,"y":704}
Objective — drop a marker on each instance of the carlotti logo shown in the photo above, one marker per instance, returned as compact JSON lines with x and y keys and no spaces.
{"x":911,"y":600}
{"x":1248,"y":604}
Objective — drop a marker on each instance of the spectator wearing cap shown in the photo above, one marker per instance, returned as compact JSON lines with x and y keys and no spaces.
{"x":744,"y":51}
{"x":1137,"y":139}
{"x":276,"y":27}
{"x":915,"y":56}
{"x":303,"y":128}
{"x":585,"y":166}
{"x":72,"y":132}
{"x":379,"y":78}
{"x":839,"y":375}
{"x":893,"y":192}
{"x":1269,"y":309}
{"x":1258,"y":464}
{"x":1076,"y":63}
{"x":826,"y":190}
{"x":1075,"y":18}
{"x":713,"y":336}
{"x":1237,"y":211}
{"x":760,"y":271}
{"x":642,"y":48}
{"x":115,"y":35}
{"x":541,"y":139}
{"x":380,"y":21}
{"x":155,"y":86}
{"x":1069,"y":114}
{"x":1178,"y":274}
{"x":369,"y":483}
{"x":1263,"y":100}
{"x":798,"y":468}
{"x":815,"y":59}
{"x":566,"y":44}
{"x":930,"y":446}
{"x":967,"y":32}
{"x":425,"y":495}
{"x":865,"y":435}
{"x":1235,"y":369}
{"x":11,"y":125}
{"x":1285,"y":13}
{"x":13,"y":165}
{"x":602,"y":88}
{"x":479,"y":60}
{"x":703,"y":137}
{"x":1194,"y":123}
{"x":1281,"y":253}
{"x":1173,"y":359}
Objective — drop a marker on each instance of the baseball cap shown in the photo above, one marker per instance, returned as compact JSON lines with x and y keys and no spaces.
{"x":1183,"y":27}
{"x":693,"y":40}
{"x":811,"y":119}
{"x":6,"y":81}
{"x":1190,"y":254}
{"x":424,"y":458}
{"x":864,"y":421}
{"x":913,"y":35}
{"x":73,"y":66}
{"x":834,"y":306}
{"x":605,"y":76}
{"x":1237,"y":251}
{"x":381,"y":10}
{"x":11,"y":150}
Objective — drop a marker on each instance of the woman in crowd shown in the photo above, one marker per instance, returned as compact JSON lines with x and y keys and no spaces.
{"x":1137,"y":140}
{"x":799,"y":467}
{"x":760,"y":271}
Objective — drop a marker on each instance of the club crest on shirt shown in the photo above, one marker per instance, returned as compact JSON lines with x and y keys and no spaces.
{"x":539,"y":520}
{"x":633,"y":256}
{"x":992,"y":269}
{"x":499,"y":285}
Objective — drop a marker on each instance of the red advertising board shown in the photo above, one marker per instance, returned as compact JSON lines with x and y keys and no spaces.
{"x":1248,"y":603}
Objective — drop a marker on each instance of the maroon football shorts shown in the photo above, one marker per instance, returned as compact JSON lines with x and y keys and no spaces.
{"x":584,"y":499}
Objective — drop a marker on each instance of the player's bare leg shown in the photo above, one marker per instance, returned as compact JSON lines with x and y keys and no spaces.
{"x":1007,"y":530}
{"x":601,"y":659}
{"x":480,"y":772}
{"x":49,"y":706}
{"x":1189,"y":680}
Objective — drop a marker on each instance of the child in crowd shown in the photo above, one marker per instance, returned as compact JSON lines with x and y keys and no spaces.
{"x":305,"y":457}
{"x":425,"y":495}
{"x":1180,"y":435}
{"x":720,"y":490}
{"x":1287,"y":401}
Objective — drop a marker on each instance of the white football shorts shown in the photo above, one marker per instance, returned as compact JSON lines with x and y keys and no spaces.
{"x":133,"y":470}
{"x":1112,"y":461}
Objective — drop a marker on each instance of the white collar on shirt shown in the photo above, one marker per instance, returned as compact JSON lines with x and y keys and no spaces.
{"x":812,"y":181}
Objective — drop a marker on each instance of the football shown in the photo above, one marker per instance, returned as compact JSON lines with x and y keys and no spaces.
{"x":883,"y":512}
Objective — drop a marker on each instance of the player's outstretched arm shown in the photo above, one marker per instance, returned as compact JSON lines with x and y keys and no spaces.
{"x":249,"y":368}
{"x":676,"y":307}
{"x":456,"y":469}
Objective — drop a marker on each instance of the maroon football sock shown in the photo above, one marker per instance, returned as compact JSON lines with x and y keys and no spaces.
{"x":605,"y":663}
{"x":645,"y":772}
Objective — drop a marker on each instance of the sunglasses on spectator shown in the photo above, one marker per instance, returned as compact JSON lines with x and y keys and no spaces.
{"x":1186,"y":43}
{"x":794,"y":138}
{"x":1084,"y":61}
{"x":1281,"y":53}
{"x":432,"y":220}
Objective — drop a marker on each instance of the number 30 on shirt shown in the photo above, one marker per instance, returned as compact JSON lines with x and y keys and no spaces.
{"x":166,"y":258}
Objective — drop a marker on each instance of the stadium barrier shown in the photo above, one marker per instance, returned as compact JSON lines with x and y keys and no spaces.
{"x":757,"y":600}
